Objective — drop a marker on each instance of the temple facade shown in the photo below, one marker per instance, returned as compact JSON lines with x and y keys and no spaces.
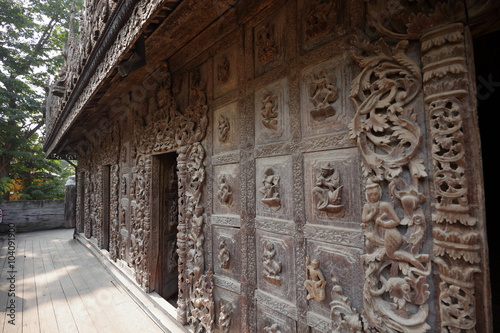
{"x":286,"y":166}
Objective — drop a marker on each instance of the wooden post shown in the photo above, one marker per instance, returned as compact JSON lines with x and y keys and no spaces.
{"x":70,"y":204}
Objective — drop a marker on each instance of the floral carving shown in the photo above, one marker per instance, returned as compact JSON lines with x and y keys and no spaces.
{"x":323,"y":93}
{"x":345,"y":319}
{"x":271,"y":267}
{"x":389,"y":139}
{"x":269,"y":110}
{"x":456,"y":237}
{"x":195,"y":301}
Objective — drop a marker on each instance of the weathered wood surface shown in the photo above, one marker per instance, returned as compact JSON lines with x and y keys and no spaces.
{"x":60,"y":286}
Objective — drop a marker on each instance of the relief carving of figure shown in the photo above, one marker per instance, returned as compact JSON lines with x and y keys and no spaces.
{"x":266,"y":49}
{"x":224,"y":192}
{"x":328,"y":192}
{"x":223,"y":255}
{"x":223,"y":128}
{"x":317,"y":21}
{"x":224,"y":317}
{"x":315,"y":281}
{"x":223,"y":70}
{"x":274,"y":328}
{"x":270,"y":190}
{"x":271,"y":267}
{"x":322,"y":94}
{"x":385,"y":235}
{"x":269,"y":110}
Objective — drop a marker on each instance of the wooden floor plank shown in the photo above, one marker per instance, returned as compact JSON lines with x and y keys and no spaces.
{"x":65,"y":288}
{"x":4,"y":285}
{"x":67,"y":291}
{"x":48,"y":322}
{"x":51,"y":299}
{"x":17,"y":293}
{"x":30,"y":310}
{"x":78,"y":272}
{"x":119,"y":302}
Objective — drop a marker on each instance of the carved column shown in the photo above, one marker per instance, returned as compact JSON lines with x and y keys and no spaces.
{"x":455,"y":230}
{"x":182,"y":237}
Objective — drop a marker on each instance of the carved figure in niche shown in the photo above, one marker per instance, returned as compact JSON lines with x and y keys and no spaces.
{"x":272,"y":268}
{"x":270,"y":190}
{"x":274,"y":328}
{"x":323,"y":93}
{"x":345,"y":319}
{"x":327,"y":191}
{"x":223,"y":70}
{"x":385,"y":235}
{"x":266,"y":49}
{"x":224,"y":192}
{"x":317,"y":22}
{"x":315,"y":281}
{"x":269,"y":110}
{"x":223,"y":128}
{"x":224,"y":317}
{"x":223,"y":255}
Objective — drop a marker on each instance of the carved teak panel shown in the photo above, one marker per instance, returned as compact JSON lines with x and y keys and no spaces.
{"x":307,"y":170}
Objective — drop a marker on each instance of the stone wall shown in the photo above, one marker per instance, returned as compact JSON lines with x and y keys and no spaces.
{"x":33,"y":215}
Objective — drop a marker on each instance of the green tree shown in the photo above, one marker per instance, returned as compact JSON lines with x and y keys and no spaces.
{"x":32,"y":35}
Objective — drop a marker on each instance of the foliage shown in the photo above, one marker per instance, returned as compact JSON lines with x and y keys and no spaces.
{"x":32,"y":35}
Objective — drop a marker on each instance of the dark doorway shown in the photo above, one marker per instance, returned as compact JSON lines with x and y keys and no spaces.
{"x":486,"y":58}
{"x":106,"y":198}
{"x":167,"y":283}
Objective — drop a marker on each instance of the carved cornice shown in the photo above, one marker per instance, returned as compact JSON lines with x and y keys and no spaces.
{"x":410,"y":19}
{"x":124,"y":25}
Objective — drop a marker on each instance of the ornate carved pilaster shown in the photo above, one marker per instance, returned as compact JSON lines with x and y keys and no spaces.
{"x":114,"y":237}
{"x":389,"y":139}
{"x":456,"y":236}
{"x":195,"y":299}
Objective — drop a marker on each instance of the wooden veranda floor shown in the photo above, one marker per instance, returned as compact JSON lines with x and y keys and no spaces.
{"x":60,"y":286}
